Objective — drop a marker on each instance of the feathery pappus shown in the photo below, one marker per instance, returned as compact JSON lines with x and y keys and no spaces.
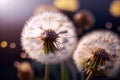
{"x":98,"y":53}
{"x":49,"y":37}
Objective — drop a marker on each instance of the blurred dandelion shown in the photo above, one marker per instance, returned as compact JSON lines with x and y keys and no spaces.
{"x":42,"y":8}
{"x":25,"y":71}
{"x":67,"y":5}
{"x":49,"y":38}
{"x":84,"y":20}
{"x":98,"y":54}
{"x":115,"y":8}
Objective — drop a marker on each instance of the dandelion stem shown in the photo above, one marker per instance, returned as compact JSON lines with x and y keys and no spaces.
{"x":89,"y":76}
{"x":62,"y":71}
{"x":47,"y":69}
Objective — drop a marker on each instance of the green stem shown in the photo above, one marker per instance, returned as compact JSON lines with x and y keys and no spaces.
{"x":62,"y":71}
{"x":47,"y":69}
{"x":89,"y":76}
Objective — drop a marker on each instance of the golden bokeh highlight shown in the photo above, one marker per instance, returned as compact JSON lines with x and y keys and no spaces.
{"x":12,"y":45}
{"x":108,"y":25}
{"x":23,"y":55}
{"x":115,"y":8}
{"x":42,"y":8}
{"x":3,"y":44}
{"x":24,"y":66}
{"x":67,"y":5}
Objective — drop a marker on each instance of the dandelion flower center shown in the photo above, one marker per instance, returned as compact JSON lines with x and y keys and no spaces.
{"x":50,"y":43}
{"x":98,"y":55}
{"x":45,"y":37}
{"x":92,"y":64}
{"x":101,"y":55}
{"x":49,"y":35}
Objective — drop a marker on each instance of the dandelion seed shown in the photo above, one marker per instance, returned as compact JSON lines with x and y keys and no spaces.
{"x":43,"y":37}
{"x":94,"y":54}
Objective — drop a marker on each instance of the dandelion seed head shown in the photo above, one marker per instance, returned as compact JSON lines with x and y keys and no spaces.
{"x":99,"y":42}
{"x":49,"y":37}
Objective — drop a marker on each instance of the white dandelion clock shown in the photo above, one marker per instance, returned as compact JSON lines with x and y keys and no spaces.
{"x":49,"y":37}
{"x":98,"y":53}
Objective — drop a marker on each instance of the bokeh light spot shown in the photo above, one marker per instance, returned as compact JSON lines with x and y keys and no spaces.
{"x":23,"y":55}
{"x":115,"y":8}
{"x":108,"y":25}
{"x":3,"y":44}
{"x":67,"y":5}
{"x":16,"y":64}
{"x":12,"y":45}
{"x":118,"y":28}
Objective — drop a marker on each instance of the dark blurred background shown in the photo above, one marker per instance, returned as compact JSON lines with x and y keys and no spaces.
{"x":15,"y":13}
